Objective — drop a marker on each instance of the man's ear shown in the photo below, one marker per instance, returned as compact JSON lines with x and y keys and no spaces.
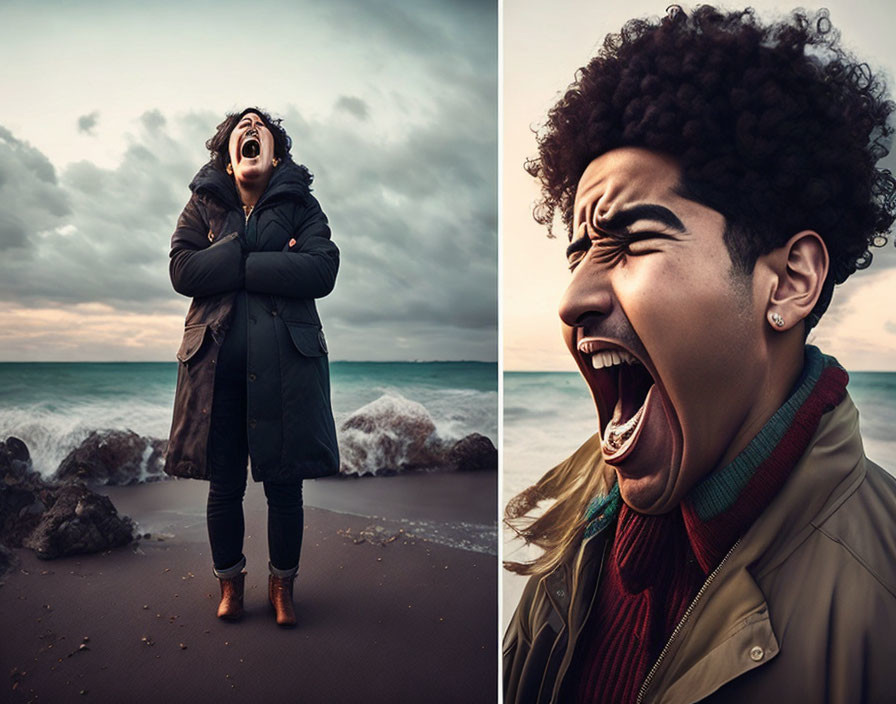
{"x":800,"y":268}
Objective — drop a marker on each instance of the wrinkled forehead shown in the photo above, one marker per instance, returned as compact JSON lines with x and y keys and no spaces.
{"x":624,"y":177}
{"x":252,"y":115}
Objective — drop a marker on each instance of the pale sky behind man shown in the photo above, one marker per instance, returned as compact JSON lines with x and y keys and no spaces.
{"x":543,"y":46}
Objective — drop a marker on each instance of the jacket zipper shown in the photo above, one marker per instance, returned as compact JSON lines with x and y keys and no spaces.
{"x":650,"y":675}
{"x":252,"y":211}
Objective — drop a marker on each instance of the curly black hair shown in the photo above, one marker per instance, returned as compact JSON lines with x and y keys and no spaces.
{"x":218,"y":143}
{"x":776,"y":127}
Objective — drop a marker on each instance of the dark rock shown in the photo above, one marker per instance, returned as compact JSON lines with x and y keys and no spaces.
{"x":15,"y":462}
{"x":117,"y":457}
{"x":473,"y":453}
{"x":79,"y":521}
{"x":16,"y":449}
{"x":50,"y":519}
{"x":21,"y":507}
{"x":7,"y":560}
{"x":24,"y":495}
{"x":390,"y":434}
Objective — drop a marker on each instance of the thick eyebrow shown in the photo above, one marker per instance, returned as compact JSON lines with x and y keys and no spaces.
{"x":648,"y":211}
{"x":583,"y":244}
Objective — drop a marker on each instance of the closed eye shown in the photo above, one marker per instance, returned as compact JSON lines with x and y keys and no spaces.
{"x":612,"y":247}
{"x":575,"y":252}
{"x":621,"y":243}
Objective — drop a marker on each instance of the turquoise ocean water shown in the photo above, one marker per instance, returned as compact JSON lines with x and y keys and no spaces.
{"x":53,"y":406}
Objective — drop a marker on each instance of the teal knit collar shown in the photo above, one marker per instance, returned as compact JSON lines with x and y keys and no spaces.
{"x":716,"y":492}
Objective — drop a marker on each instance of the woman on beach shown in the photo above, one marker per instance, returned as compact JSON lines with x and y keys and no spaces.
{"x":252,"y":248}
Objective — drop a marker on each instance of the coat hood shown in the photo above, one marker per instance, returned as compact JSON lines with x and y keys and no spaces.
{"x":289,"y":180}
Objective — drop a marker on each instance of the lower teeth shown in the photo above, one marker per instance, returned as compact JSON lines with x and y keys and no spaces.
{"x":616,"y":436}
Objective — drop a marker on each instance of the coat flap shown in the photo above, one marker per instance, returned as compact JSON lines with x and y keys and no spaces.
{"x":728,"y":633}
{"x":193,"y":337}
{"x":750,"y":647}
{"x":308,"y":339}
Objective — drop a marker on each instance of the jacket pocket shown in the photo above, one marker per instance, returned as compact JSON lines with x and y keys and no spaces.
{"x":194,"y":336}
{"x":308,"y":339}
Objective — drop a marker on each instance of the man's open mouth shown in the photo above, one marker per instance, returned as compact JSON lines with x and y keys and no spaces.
{"x":251,"y":148}
{"x":622,"y":387}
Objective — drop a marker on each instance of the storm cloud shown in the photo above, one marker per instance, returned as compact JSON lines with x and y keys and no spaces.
{"x":87,"y":123}
{"x":353,"y":106}
{"x":406,"y":173}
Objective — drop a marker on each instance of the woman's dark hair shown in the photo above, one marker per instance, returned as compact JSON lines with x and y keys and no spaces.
{"x":776,"y":127}
{"x":218,"y":143}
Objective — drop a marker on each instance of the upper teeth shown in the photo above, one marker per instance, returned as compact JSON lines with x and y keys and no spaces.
{"x":607,"y":358}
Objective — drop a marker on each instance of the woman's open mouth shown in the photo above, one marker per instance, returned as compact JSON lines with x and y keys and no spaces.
{"x":251,"y":148}
{"x":622,"y":387}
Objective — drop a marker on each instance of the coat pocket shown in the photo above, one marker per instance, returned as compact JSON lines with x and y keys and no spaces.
{"x":308,"y":339}
{"x":194,"y":336}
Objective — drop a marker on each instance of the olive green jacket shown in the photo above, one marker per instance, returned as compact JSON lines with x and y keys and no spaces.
{"x":802,"y":609}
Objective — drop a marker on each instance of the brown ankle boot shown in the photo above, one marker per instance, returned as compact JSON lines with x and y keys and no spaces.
{"x":280,"y":594}
{"x":231,"y":606}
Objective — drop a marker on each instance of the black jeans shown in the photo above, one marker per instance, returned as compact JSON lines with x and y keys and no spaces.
{"x":228,"y":454}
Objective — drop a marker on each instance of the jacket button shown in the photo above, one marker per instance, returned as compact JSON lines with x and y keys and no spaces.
{"x":756,"y":653}
{"x":205,"y":410}
{"x":561,"y":593}
{"x":251,"y":377}
{"x":274,"y":313}
{"x":252,"y":423}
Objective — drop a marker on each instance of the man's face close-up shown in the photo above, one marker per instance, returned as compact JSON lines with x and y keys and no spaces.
{"x":667,"y":335}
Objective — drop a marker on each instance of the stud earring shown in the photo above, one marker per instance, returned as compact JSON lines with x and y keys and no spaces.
{"x":229,"y":169}
{"x":274,"y":162}
{"x":776,"y":319}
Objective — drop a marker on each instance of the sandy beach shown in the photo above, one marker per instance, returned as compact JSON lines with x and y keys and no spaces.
{"x":396,"y":601}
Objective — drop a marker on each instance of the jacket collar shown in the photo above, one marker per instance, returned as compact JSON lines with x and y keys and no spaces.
{"x":288,"y":180}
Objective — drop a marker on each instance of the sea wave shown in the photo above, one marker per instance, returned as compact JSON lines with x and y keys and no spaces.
{"x":386,"y":444}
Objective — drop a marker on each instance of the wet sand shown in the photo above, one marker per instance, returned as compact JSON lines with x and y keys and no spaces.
{"x":403,"y":621}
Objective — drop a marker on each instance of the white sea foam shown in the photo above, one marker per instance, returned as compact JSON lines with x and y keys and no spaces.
{"x":51,"y":433}
{"x":53,"y":429}
{"x":388,"y":434}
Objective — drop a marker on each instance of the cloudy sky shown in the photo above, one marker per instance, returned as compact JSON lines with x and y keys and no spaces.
{"x":544,"y":43}
{"x":106,"y":107}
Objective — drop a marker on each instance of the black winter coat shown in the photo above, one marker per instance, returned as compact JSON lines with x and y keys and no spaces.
{"x":218,"y":254}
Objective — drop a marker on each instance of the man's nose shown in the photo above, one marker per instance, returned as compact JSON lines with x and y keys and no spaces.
{"x":588,"y":295}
